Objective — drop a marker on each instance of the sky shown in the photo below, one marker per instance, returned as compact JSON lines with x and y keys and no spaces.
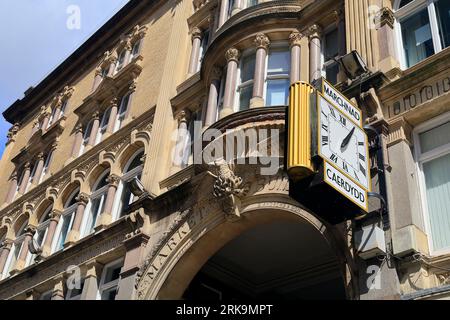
{"x":37,"y":35}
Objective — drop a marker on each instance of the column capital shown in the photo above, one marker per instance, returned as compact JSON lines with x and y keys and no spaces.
{"x":82,"y":199}
{"x":40,"y":156}
{"x":96,"y":115}
{"x":30,"y":230}
{"x":114,"y":102}
{"x":133,"y":85}
{"x":55,"y":214}
{"x":113,"y":180}
{"x":196,"y":33}
{"x":315,"y":31}
{"x":78,"y":128}
{"x":295,"y":37}
{"x":54,"y":146}
{"x":27,"y":165}
{"x":6,"y":244}
{"x":232,"y":54}
{"x":183,"y":116}
{"x":262,"y":41}
{"x":93,"y":268}
{"x":216,"y":73}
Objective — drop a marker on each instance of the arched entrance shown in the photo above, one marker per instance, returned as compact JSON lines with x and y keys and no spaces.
{"x":276,"y":250}
{"x":281,"y":260}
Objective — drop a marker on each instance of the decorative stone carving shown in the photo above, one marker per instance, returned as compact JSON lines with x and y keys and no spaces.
{"x":232,"y":54}
{"x":295,"y":38}
{"x":13,"y":132}
{"x":82,"y":198}
{"x":196,"y":33}
{"x":228,"y":187}
{"x":262,"y":41}
{"x":315,"y":31}
{"x":385,"y":16}
{"x":113,"y":180}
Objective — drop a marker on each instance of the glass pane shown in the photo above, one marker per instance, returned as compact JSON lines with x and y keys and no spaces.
{"x":124,"y":104}
{"x":97,"y":207}
{"x":248,"y":68}
{"x":109,"y":294}
{"x":40,"y":236}
{"x":437,"y":180}
{"x":279,"y":62}
{"x":277,"y":92}
{"x":252,"y":3}
{"x":103,"y":182}
{"x":113,"y":273}
{"x":136,"y":162}
{"x":443,"y":15}
{"x":105,"y":119}
{"x":404,"y":3}
{"x":331,"y":45}
{"x":64,"y":231}
{"x":126,"y":199}
{"x":72,"y":200}
{"x":435,"y":137}
{"x":332,"y":72}
{"x":245,"y":94}
{"x":417,"y":40}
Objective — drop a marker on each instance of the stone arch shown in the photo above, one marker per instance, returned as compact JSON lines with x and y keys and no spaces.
{"x":95,"y":173}
{"x":41,"y":209}
{"x":65,"y":194}
{"x":198,"y":234}
{"x":18,"y":223}
{"x":6,"y":228}
{"x":127,"y":154}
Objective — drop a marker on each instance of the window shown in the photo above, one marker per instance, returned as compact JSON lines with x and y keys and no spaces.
{"x":31,"y":178}
{"x":277,"y":79}
{"x":330,"y":52}
{"x":66,"y":221}
{"x":121,"y":61}
{"x":16,"y":248}
{"x":96,"y":204}
{"x":132,"y":169}
{"x":42,"y":230}
{"x":136,"y":49}
{"x":110,"y":280}
{"x":48,"y":159}
{"x":423,"y":27}
{"x":103,"y":126}
{"x":203,"y":47}
{"x":432,"y":141}
{"x":86,"y":136}
{"x":75,"y":293}
{"x":123,"y":111}
{"x":63,"y":110}
{"x":20,"y":181}
{"x":245,"y":87}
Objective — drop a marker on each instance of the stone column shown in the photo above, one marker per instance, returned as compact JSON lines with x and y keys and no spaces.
{"x":6,"y":249}
{"x":39,"y":168}
{"x":47,"y":245}
{"x":97,"y":79}
{"x":112,"y":117}
{"x":223,"y":13}
{"x":195,"y":53}
{"x":20,"y":263}
{"x":127,"y":49}
{"x":78,"y":140}
{"x":135,"y":246}
{"x":232,"y":56}
{"x":74,"y":234}
{"x":45,"y":121}
{"x":294,"y":41}
{"x":237,"y":6}
{"x":213,"y":97}
{"x":262,"y":43}
{"x":94,"y":130}
{"x":112,"y":66}
{"x":25,"y":178}
{"x":183,"y":119}
{"x":106,"y":216}
{"x":58,"y":289}
{"x":93,"y":274}
{"x":12,"y":188}
{"x":315,"y":55}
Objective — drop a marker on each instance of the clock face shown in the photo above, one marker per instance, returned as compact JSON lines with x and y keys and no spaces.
{"x":343,"y":143}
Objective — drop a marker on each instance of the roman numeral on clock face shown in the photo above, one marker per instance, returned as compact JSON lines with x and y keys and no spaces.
{"x":342,"y":120}
{"x":345,"y":166}
{"x":334,"y":158}
{"x":333,"y":113}
{"x":325,"y":140}
{"x":362,"y":169}
{"x":361,"y":144}
{"x":325,"y":127}
{"x":362,"y":157}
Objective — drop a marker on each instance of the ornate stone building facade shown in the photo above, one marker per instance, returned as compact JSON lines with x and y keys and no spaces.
{"x":76,"y":225}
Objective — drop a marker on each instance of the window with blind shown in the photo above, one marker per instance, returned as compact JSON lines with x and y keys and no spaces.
{"x":433,"y":151}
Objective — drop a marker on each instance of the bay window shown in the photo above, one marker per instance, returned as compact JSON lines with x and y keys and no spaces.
{"x":423,"y":28}
{"x":96,"y":203}
{"x":66,"y":221}
{"x":432,"y":144}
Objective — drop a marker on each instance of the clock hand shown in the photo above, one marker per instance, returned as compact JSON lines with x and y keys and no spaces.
{"x":347,"y":138}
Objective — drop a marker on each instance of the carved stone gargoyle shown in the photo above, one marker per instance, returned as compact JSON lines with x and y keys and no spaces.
{"x":229,"y":188}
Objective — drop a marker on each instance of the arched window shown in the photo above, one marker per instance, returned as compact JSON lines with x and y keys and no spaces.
{"x":132,"y":169}
{"x":123,"y":110}
{"x":121,"y":61}
{"x":86,"y":136}
{"x":42,"y":229}
{"x":96,"y":203}
{"x":103,"y":126}
{"x":422,"y":27}
{"x":16,"y":248}
{"x":66,"y":221}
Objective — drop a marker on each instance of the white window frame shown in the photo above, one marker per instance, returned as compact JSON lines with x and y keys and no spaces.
{"x":277,"y":46}
{"x":122,"y":111}
{"x":63,"y":109}
{"x":406,"y":12}
{"x":97,"y":194}
{"x":239,"y":84}
{"x":420,"y":160}
{"x":107,"y":286}
{"x":46,"y":166}
{"x":103,"y":126}
{"x":68,"y":211}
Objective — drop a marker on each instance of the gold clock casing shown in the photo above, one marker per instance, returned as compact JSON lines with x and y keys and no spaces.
{"x":300,"y":137}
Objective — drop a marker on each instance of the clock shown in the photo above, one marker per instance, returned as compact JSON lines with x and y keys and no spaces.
{"x":342,"y":143}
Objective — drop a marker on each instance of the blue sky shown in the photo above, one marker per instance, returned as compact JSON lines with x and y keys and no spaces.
{"x":35,"y":39}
